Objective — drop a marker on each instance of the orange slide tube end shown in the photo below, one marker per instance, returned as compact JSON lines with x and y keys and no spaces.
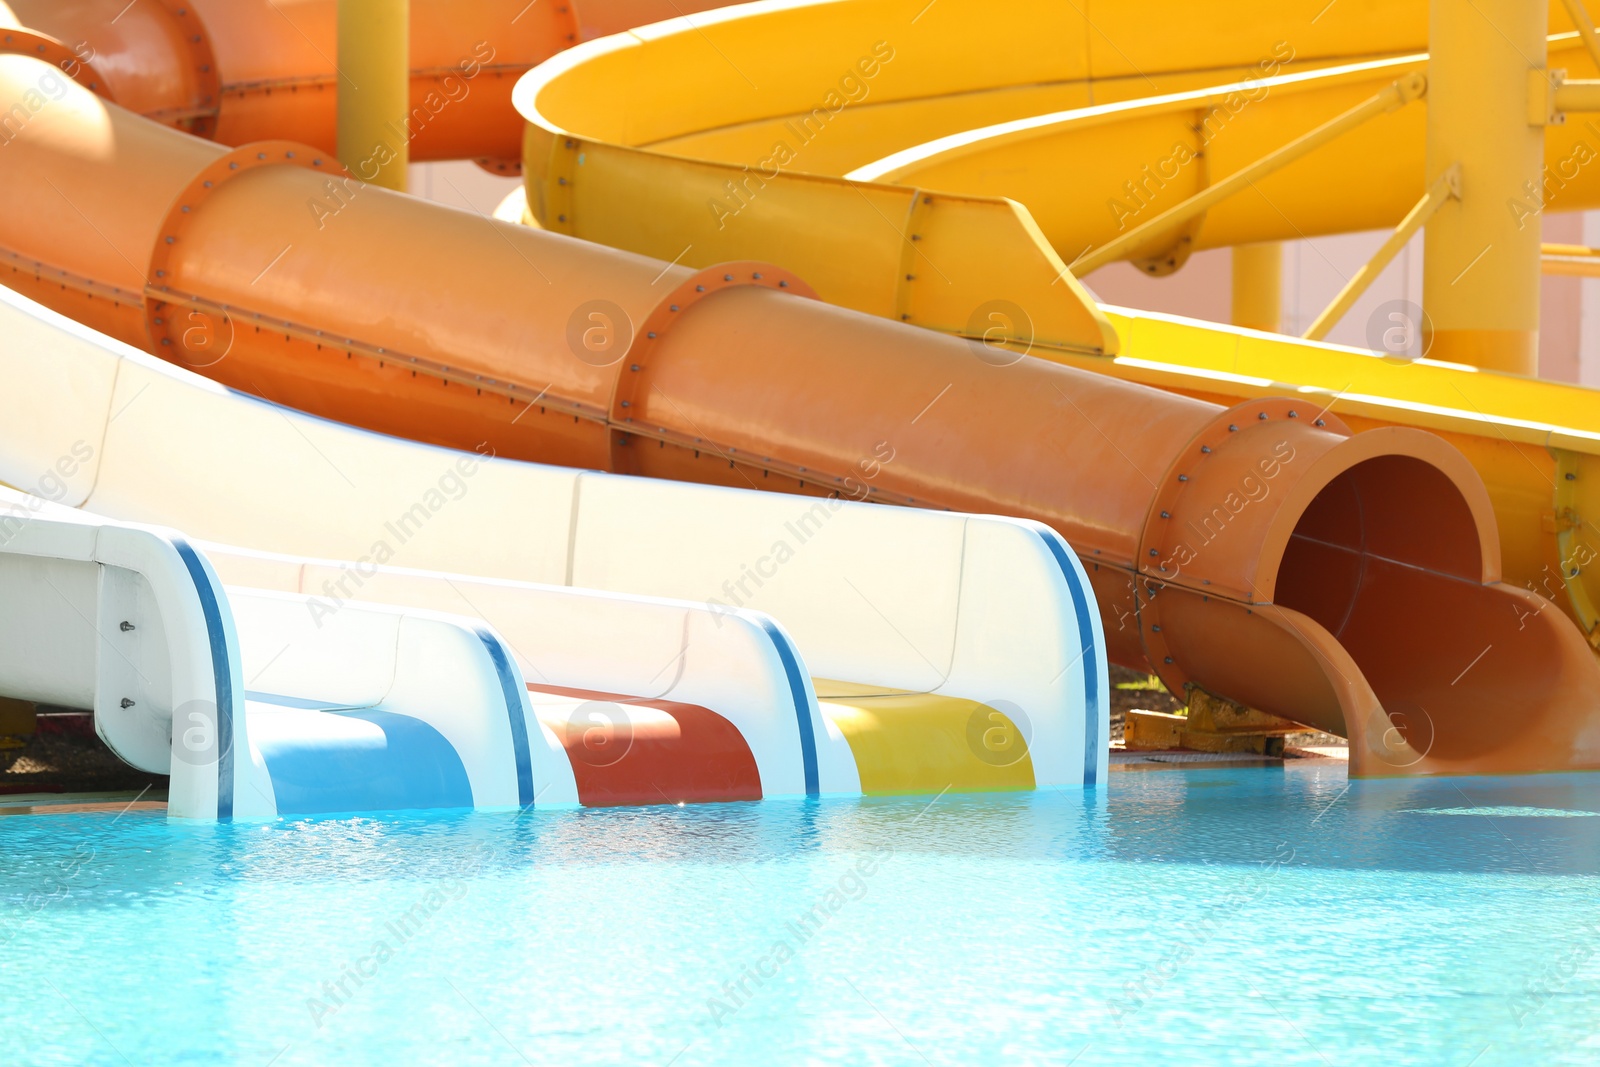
{"x":237,"y":71}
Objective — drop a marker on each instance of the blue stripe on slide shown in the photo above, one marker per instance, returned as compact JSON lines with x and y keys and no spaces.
{"x":360,"y":760}
{"x":1091,"y":660}
{"x":217,"y":636}
{"x":802,"y":702}
{"x":514,"y":694}
{"x":300,"y":702}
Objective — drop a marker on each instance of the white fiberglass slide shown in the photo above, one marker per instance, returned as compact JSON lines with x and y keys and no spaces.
{"x":384,"y":709}
{"x":987,"y":609}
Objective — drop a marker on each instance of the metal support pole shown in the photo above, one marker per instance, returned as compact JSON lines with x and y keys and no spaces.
{"x":1258,"y":286}
{"x":1480,"y":279}
{"x":375,"y":89}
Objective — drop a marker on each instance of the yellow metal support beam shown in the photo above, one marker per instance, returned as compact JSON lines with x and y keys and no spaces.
{"x":1574,"y":537}
{"x":1480,"y":271}
{"x":375,"y":89}
{"x":1585,"y":27}
{"x":1401,"y":92}
{"x":1572,"y":260}
{"x":1551,"y":95}
{"x":18,"y":720}
{"x":1577,"y":95}
{"x":1446,"y":187}
{"x":1258,"y":286}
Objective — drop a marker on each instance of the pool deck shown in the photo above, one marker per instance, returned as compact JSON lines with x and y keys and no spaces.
{"x":1177,"y":759}
{"x":118,"y":803}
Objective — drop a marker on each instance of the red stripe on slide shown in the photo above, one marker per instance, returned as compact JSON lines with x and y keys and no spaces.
{"x":692,"y":756}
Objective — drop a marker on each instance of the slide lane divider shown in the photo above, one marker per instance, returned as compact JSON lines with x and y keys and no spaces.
{"x":800,"y":688}
{"x":208,"y":588}
{"x":1086,"y":612}
{"x":516,"y":712}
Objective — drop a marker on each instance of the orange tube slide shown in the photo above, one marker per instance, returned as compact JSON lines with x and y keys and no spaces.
{"x":238,"y":71}
{"x":1261,"y":552}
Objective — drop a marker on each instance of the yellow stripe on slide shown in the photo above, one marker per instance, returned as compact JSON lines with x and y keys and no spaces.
{"x":920,"y":743}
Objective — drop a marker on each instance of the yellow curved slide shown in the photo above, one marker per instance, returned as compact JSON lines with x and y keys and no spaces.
{"x":944,"y":164}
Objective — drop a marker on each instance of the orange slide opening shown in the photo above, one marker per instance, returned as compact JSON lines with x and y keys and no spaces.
{"x":1389,"y":558}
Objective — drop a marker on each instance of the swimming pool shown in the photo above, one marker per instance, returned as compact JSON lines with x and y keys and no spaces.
{"x":1193,"y":916}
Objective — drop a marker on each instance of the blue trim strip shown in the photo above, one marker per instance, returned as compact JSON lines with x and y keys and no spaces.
{"x":514,"y":694}
{"x":1091,"y":660}
{"x":802,"y":703}
{"x":217,"y":635}
{"x":300,"y":702}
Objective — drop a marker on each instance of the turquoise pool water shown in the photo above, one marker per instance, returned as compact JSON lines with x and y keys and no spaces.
{"x":1194,"y":917}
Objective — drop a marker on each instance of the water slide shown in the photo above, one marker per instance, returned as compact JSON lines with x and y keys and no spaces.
{"x":667,"y":634}
{"x":949,"y":179}
{"x":382,"y":709}
{"x":1318,"y":604}
{"x":275,"y":75}
{"x":237,"y":71}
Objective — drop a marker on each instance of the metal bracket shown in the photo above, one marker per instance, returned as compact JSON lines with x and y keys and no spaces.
{"x":44,"y":47}
{"x":225,"y":167}
{"x":631,"y":382}
{"x":1542,"y":87}
{"x":209,"y":80}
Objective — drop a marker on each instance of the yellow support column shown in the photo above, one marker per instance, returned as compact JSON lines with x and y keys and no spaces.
{"x":1480,"y":279}
{"x":375,"y":89}
{"x":1258,"y":286}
